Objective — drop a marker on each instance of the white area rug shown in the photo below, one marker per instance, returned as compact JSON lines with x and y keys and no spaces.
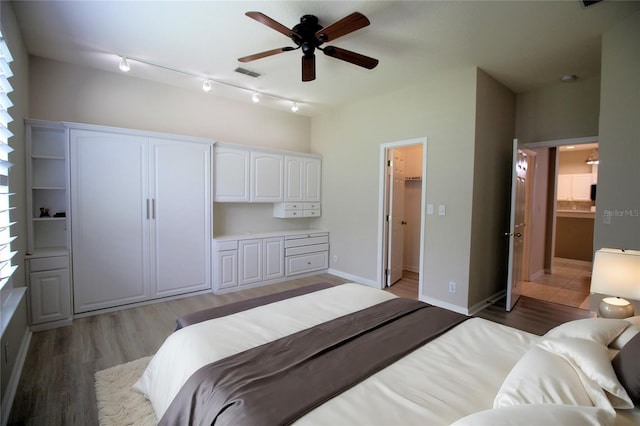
{"x":118,"y":403}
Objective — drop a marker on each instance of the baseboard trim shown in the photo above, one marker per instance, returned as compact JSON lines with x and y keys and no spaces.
{"x":487,"y":302}
{"x":537,"y":275}
{"x":445,"y":305}
{"x":354,"y":278}
{"x":14,"y":380}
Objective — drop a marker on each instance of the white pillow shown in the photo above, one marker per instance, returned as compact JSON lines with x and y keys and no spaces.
{"x":592,"y":360}
{"x":540,"y":414}
{"x":541,"y":377}
{"x":625,"y":336}
{"x":601,"y":330}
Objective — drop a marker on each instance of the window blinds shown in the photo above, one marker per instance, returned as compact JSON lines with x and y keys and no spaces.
{"x":6,"y":254}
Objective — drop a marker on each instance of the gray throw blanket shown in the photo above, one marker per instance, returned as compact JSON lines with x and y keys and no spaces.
{"x":279,"y":382}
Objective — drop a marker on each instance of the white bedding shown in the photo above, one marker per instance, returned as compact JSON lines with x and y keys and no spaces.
{"x":453,"y":376}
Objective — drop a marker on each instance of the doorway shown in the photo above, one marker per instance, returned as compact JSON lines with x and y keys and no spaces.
{"x":559,"y":268}
{"x":401,"y":216}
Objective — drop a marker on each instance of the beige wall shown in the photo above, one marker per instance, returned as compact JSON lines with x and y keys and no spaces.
{"x":64,"y":92}
{"x":539,"y":205}
{"x":495,"y":121}
{"x":564,"y":110}
{"x":619,"y":174}
{"x":572,"y":162}
{"x":441,"y":108}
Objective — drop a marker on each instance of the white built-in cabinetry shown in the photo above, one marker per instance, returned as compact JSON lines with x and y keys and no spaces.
{"x":141,"y":224}
{"x":259,"y":259}
{"x":290,"y":181}
{"x":574,"y":187}
{"x":48,"y":242}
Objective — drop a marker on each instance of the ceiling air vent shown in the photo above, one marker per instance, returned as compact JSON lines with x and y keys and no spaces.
{"x":248,"y":72}
{"x":587,"y":3}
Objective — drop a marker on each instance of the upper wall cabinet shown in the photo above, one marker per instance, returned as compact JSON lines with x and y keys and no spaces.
{"x":245,"y":175}
{"x":232,"y":173}
{"x":301,"y":179}
{"x":574,"y":187}
{"x":266,"y":177}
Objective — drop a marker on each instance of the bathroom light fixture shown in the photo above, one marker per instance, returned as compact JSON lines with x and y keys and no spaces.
{"x":568,"y":78}
{"x":594,"y":157}
{"x":207,"y":82}
{"x":124,"y":64}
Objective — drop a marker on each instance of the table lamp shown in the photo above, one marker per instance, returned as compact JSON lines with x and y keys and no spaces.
{"x":616,"y":272}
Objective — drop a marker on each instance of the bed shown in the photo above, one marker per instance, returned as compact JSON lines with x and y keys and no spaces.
{"x":471,"y":372}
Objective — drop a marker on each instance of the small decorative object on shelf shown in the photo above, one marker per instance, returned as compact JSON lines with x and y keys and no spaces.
{"x":60,"y":214}
{"x":44,"y":212}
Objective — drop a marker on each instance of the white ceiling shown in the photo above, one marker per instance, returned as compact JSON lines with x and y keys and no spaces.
{"x":524,"y":44}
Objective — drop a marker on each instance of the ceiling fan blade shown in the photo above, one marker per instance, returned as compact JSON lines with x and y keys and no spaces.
{"x":308,"y":67}
{"x":351,"y":57}
{"x":346,"y":25}
{"x":271,"y":23}
{"x":266,"y":53}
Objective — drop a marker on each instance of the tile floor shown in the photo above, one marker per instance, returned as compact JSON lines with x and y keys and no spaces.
{"x":568,"y":285}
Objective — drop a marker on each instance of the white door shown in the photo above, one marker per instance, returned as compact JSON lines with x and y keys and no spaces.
{"x":516,"y":225}
{"x":110,"y":233}
{"x":395,"y":216}
{"x":50,"y":298}
{"x":180,"y":219}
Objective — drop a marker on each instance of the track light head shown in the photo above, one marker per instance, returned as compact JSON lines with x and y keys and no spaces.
{"x":124,"y":64}
{"x":206,"y":86}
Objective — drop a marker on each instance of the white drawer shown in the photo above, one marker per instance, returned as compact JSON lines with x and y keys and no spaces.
{"x":307,"y":263}
{"x":306,"y":241}
{"x":312,"y":206}
{"x":314,"y":234}
{"x":293,"y":206}
{"x":311,"y":213}
{"x":292,"y":213}
{"x":293,"y":251}
{"x":226,"y":245}
{"x":48,"y":263}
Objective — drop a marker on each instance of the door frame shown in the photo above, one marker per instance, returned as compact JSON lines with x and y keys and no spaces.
{"x":553,"y":187}
{"x":382,"y":182}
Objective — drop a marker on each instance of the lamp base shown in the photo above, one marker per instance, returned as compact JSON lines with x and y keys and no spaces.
{"x":615,"y":307}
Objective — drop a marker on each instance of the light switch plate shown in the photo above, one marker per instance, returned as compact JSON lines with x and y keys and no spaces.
{"x":441,"y":210}
{"x":429,"y":208}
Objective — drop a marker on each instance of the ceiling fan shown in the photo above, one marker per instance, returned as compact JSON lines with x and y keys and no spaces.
{"x":309,"y":35}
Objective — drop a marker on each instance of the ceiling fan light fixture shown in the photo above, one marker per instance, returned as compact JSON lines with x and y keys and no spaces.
{"x":294,"y":107}
{"x":206,"y":86}
{"x":255,"y":97}
{"x":124,"y":64}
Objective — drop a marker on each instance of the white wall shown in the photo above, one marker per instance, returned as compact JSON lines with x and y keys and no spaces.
{"x":442,"y":108}
{"x":64,"y":92}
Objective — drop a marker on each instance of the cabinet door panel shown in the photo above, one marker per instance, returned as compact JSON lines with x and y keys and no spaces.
{"x":312,"y":179}
{"x":266,"y":177}
{"x":231,"y":169}
{"x":50,"y":296}
{"x":109,"y":226}
{"x":249,"y":261}
{"x":273,"y":250}
{"x":181,"y":234}
{"x":227,"y":264}
{"x":293,"y":178}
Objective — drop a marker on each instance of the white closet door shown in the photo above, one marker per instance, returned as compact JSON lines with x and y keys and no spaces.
{"x":181,"y":205}
{"x":109,"y":226}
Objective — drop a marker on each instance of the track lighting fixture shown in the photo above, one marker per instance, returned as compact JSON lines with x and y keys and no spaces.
{"x":207,"y":83}
{"x":124,"y":64}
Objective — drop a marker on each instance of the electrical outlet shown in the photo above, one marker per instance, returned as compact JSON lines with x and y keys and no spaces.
{"x":442,"y":210}
{"x":452,"y":287}
{"x":430,"y":209}
{"x":335,"y":258}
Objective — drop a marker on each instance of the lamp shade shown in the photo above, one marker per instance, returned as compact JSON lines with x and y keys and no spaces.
{"x":616,"y":273}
